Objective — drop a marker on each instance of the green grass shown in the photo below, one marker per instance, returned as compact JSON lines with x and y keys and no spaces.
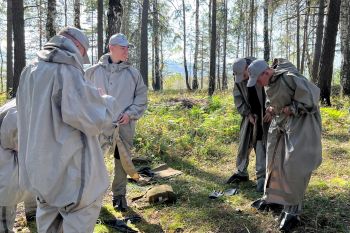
{"x":199,"y":136}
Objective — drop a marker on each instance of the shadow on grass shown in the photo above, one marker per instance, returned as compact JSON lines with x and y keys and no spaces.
{"x":338,"y":137}
{"x":142,"y":225}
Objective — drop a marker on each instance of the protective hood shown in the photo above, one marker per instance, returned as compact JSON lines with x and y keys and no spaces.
{"x":104,"y":61}
{"x":61,"y":50}
{"x":282,"y":65}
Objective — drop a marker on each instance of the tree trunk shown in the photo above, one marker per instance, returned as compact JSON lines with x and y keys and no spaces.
{"x":184,"y":50}
{"x":50,"y":21}
{"x":318,"y":43}
{"x":77,"y":14}
{"x":65,"y":13}
{"x":144,"y":42}
{"x":114,"y":16}
{"x":9,"y":53}
{"x":218,"y":46}
{"x":306,"y":38}
{"x":1,"y":67}
{"x":266,"y":31}
{"x":99,"y":28}
{"x":345,"y":47}
{"x":328,"y":50}
{"x":40,"y":23}
{"x":195,"y":57}
{"x":126,"y":18}
{"x":251,"y":53}
{"x":156,"y":46}
{"x":298,"y":33}
{"x":202,"y":59}
{"x":224,"y":75}
{"x":212,"y":51}
{"x":19,"y":45}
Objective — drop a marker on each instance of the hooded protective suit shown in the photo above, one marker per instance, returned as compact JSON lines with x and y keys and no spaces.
{"x":60,"y":116}
{"x":294,"y":142}
{"x":125,"y":83}
{"x":10,"y":192}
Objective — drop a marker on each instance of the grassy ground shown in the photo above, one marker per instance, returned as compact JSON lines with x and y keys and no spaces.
{"x":199,"y":136}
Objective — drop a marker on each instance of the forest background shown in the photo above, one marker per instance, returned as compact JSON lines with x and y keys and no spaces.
{"x":184,"y":50}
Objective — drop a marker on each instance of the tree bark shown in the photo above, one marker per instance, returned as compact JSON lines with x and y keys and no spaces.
{"x":144,"y":42}
{"x":251,"y":46}
{"x":50,"y":21}
{"x":9,"y":52}
{"x":266,"y":31}
{"x":195,"y":57}
{"x":318,"y":43}
{"x":328,"y":50}
{"x":77,"y":14}
{"x":345,"y":47}
{"x":212,"y":51}
{"x":19,"y":43}
{"x":99,"y":28}
{"x":114,"y":16}
{"x":156,"y":46}
{"x":298,"y":33}
{"x":184,"y":50}
{"x":306,"y":37}
{"x":224,"y":75}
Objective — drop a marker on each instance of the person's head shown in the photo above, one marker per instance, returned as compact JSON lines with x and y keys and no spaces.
{"x":259,"y":72}
{"x":239,"y":68}
{"x":119,"y":47}
{"x":79,"y":39}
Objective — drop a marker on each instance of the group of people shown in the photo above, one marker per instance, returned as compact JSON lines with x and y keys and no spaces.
{"x":281,"y":120}
{"x":51,"y":134}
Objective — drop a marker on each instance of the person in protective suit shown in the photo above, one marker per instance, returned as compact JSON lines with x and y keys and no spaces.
{"x":116,"y":77}
{"x":60,"y":116}
{"x":10,"y":192}
{"x":250,"y":103}
{"x":294,"y":148}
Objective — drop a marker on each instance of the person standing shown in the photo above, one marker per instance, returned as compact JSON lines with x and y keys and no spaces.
{"x":294,"y":141}
{"x":250,"y":103}
{"x":60,"y":116}
{"x":10,"y":192}
{"x":115,"y":75}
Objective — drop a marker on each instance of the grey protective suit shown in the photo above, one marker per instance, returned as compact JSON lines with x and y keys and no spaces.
{"x":246,"y":141}
{"x":60,"y":117}
{"x":125,"y":83}
{"x":10,"y":192}
{"x":294,"y":142}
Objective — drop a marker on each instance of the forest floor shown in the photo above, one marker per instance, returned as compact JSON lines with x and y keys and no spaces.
{"x":199,"y":136}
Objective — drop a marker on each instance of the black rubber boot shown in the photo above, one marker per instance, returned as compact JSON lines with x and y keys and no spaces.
{"x":236,"y":178}
{"x":120,"y":203}
{"x":288,"y":222}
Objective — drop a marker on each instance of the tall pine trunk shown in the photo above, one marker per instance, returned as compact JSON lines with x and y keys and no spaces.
{"x":266,"y":31}
{"x":99,"y":28}
{"x":211,"y":88}
{"x":318,"y":43}
{"x":19,"y":45}
{"x":328,"y":51}
{"x":195,"y":59}
{"x":184,"y":50}
{"x":114,"y":16}
{"x":156,"y":85}
{"x":50,"y":21}
{"x":9,"y":52}
{"x":306,"y":37}
{"x":345,"y":47}
{"x":144,"y":42}
{"x":224,"y":75}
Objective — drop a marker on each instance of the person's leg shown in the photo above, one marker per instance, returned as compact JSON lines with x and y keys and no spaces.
{"x":242,"y":159}
{"x":119,"y":183}
{"x":7,"y":218}
{"x":82,"y":219}
{"x":29,"y":206}
{"x":290,"y":217}
{"x":260,"y":166}
{"x":48,"y":218}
